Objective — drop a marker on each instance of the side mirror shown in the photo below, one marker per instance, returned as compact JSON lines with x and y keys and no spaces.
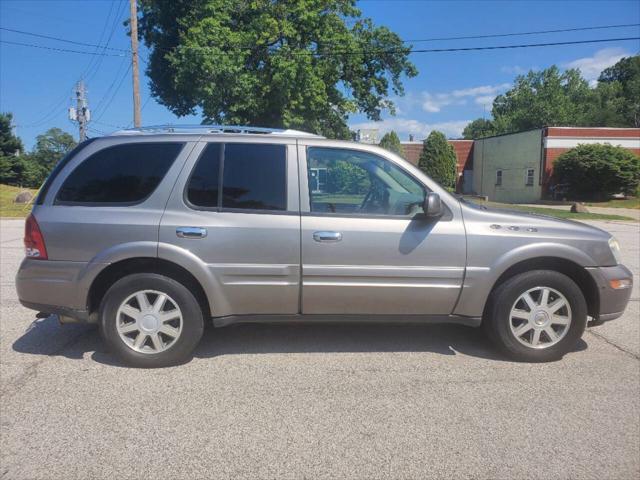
{"x":432,"y":206}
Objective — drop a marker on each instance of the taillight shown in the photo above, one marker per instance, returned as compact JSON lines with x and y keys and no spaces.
{"x":33,"y":240}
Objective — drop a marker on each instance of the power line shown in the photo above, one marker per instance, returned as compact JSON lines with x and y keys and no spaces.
{"x":61,"y":49}
{"x":58,"y":39}
{"x":539,"y":32}
{"x":106,"y":107}
{"x":332,"y":53}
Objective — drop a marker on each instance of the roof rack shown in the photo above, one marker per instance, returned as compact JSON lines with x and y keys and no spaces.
{"x":203,"y":129}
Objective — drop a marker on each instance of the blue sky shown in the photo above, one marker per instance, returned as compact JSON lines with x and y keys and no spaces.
{"x":36,"y":85}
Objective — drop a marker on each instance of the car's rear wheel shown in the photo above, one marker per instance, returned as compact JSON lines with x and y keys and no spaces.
{"x":149,"y":320}
{"x":537,"y":316}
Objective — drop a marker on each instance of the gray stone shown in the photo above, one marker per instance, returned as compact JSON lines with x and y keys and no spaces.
{"x":23,"y":197}
{"x":579,"y":207}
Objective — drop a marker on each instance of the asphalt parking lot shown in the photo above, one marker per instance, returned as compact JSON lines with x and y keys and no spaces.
{"x":340,"y":401}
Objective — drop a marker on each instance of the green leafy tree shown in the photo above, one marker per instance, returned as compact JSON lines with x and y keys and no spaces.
{"x":479,"y":128}
{"x":598,"y":171}
{"x":281,"y":63}
{"x":438,"y":160}
{"x":391,"y":142}
{"x":543,"y":98}
{"x":10,"y":148}
{"x":619,"y":92}
{"x":51,"y":146}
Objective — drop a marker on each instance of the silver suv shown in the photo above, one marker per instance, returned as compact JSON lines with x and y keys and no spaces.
{"x":151,"y":232}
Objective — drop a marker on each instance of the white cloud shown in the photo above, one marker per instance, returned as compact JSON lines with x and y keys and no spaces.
{"x":592,"y":66}
{"x":481,"y":95}
{"x":516,"y":69}
{"x":485,"y":100}
{"x":405,"y":126}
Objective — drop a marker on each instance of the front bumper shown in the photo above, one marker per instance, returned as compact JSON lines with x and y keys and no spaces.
{"x":612,"y":301}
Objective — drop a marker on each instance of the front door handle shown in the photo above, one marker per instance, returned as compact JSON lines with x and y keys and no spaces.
{"x":327,"y":236}
{"x":191,"y":232}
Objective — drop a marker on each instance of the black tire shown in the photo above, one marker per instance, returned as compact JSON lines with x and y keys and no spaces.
{"x":497,"y":320}
{"x":192,"y":318}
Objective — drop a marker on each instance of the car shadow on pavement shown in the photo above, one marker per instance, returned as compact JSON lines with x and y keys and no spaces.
{"x":47,"y":337}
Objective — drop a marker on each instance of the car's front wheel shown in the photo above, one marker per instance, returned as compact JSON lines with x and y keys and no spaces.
{"x":537,"y":316}
{"x":149,"y":320}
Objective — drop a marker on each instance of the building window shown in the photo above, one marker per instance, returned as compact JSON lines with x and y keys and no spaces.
{"x":498,"y":177}
{"x":529,"y":179}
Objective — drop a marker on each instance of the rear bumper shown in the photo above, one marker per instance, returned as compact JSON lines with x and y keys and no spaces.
{"x":56,"y":284}
{"x":612,"y":301}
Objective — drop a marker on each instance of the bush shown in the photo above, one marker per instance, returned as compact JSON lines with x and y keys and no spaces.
{"x":595,"y":172}
{"x":438,"y":160}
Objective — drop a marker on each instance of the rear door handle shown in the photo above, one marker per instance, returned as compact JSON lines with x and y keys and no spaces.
{"x":327,"y":236}
{"x":191,"y":232}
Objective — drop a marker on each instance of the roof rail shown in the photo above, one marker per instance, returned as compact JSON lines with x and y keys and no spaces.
{"x":204,"y":129}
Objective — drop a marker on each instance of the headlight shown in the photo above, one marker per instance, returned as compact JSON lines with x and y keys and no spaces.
{"x":615,"y":249}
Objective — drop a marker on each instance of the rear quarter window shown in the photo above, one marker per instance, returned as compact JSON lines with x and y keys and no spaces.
{"x":121,"y":174}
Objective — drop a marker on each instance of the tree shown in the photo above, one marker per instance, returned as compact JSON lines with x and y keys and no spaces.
{"x":279,"y":63}
{"x":10,"y":148}
{"x":391,"y":142}
{"x":438,"y":160}
{"x":598,"y":171}
{"x":479,"y":128}
{"x":31,"y":169}
{"x":619,"y":85}
{"x":543,"y":98}
{"x":51,"y":146}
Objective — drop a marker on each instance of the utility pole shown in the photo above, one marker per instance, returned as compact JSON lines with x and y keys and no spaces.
{"x":134,"y":63}
{"x":81,"y":112}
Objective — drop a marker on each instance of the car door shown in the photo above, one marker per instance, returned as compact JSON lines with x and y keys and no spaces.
{"x":366,"y":249}
{"x":235,"y":208}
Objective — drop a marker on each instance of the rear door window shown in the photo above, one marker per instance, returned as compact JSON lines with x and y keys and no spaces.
{"x":122,"y":174}
{"x":240,"y":176}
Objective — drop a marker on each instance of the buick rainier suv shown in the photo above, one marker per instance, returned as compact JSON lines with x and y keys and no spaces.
{"x":152,"y":232}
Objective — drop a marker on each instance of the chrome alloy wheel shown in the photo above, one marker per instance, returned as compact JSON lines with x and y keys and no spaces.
{"x":540,"y":317}
{"x":149,"y":321}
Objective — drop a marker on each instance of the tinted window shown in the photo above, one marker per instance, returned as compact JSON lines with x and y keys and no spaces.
{"x":203,"y":185}
{"x":360,"y":183}
{"x":254,"y":177}
{"x":126,"y":173}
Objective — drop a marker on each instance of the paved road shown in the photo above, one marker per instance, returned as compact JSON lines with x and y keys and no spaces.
{"x":316,"y":402}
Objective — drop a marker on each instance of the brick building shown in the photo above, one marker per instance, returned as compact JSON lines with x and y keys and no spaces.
{"x":464,"y":156}
{"x":518,"y":167}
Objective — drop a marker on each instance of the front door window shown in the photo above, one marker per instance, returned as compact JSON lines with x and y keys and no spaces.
{"x":353,"y":182}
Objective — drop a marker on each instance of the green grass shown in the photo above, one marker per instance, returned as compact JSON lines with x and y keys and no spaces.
{"x":618,"y":203}
{"x":552,"y":212}
{"x":7,"y":206}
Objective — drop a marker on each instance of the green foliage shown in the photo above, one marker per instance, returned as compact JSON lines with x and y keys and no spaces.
{"x":347,"y":178}
{"x":543,"y":98}
{"x":391,"y":142}
{"x":438,"y":160}
{"x":31,"y":169}
{"x":598,"y":171}
{"x":304,"y":64}
{"x":552,"y":98}
{"x":621,"y":84}
{"x":10,"y":145}
{"x":479,"y":128}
